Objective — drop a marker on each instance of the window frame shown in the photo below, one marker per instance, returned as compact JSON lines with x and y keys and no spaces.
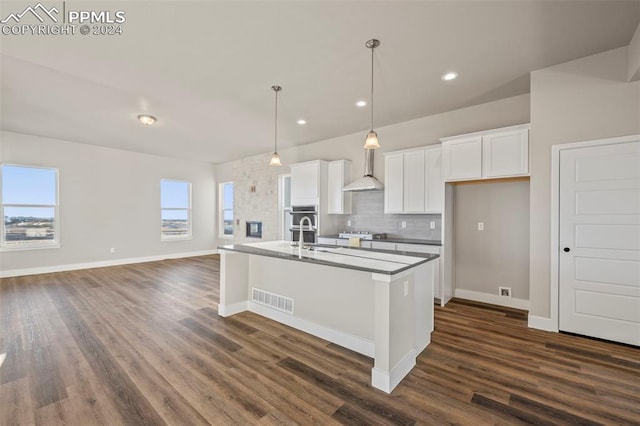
{"x":38,"y":244}
{"x":222,"y":209}
{"x":189,"y":235}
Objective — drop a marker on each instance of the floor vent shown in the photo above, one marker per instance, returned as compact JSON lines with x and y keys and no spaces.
{"x":272,"y":300}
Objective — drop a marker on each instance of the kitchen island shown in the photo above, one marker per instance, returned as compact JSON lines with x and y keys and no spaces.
{"x":378,"y":303}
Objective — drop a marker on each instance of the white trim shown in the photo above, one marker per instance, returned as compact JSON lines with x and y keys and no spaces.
{"x":554,"y":291}
{"x":541,"y":323}
{"x":221,"y":209}
{"x":388,"y":381}
{"x":493,"y":299}
{"x":102,"y":264}
{"x":349,"y":341}
{"x":232,"y":309}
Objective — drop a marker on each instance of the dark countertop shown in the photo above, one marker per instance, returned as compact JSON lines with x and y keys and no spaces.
{"x":395,"y":240}
{"x":388,"y":262}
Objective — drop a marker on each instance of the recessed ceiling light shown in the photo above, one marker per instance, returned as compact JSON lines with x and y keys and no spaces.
{"x":302,"y":122}
{"x":450,"y":76}
{"x":361,"y":103}
{"x":146,"y":119}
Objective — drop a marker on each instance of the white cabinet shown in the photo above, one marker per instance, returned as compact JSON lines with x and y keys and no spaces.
{"x":505,"y":153}
{"x":327,"y":241}
{"x":462,"y":159}
{"x":306,"y":179}
{"x":413,"y":181}
{"x":383,"y":245}
{"x":338,"y":175}
{"x":393,"y":183}
{"x":490,"y":154}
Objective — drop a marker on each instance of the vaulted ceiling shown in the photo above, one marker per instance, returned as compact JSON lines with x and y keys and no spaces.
{"x":205,"y":69}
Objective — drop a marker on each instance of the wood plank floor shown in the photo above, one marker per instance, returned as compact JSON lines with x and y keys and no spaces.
{"x":143,"y":344}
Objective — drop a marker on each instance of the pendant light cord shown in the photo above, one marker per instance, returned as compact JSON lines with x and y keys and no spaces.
{"x":275,"y":136}
{"x":372,"y":87}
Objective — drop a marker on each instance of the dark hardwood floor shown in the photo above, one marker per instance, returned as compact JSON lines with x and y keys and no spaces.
{"x":143,"y":344}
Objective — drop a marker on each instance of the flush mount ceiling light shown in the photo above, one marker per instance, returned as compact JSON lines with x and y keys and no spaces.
{"x":371,"y":142}
{"x":361,"y":104}
{"x":146,"y":119}
{"x":275,"y":158}
{"x":302,"y":122}
{"x":450,"y":76}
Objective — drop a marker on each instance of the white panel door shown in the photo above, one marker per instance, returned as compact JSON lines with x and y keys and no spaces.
{"x":599,"y":240}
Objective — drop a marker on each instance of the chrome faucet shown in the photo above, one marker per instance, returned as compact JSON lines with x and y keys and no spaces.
{"x":301,"y":242}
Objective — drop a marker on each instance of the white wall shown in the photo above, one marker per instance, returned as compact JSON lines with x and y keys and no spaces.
{"x":581,"y":100}
{"x":499,"y":255}
{"x":109,"y":198}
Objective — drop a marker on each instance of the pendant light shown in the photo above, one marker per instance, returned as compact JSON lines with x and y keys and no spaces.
{"x":371,"y":142}
{"x":275,"y":158}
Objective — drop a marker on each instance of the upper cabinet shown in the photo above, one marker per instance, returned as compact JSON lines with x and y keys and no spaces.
{"x":490,"y":154}
{"x":339,"y":175}
{"x":306,"y":182}
{"x":413,"y":181}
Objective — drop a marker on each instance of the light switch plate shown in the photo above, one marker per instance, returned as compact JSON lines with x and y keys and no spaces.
{"x":480,"y":226}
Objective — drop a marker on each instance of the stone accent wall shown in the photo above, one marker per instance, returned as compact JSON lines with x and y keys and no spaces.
{"x":261,"y":205}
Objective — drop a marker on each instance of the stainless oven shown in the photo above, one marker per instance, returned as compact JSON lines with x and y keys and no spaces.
{"x":310,"y":227}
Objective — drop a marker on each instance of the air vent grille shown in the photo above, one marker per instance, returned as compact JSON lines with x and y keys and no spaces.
{"x":272,"y":300}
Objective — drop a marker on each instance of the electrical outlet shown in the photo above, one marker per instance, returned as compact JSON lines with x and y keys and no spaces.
{"x":504,"y":291}
{"x":348,"y":223}
{"x":480,"y":226}
{"x":406,"y":288}
{"x":112,"y":250}
{"x":432,"y":224}
{"x":403,"y":224}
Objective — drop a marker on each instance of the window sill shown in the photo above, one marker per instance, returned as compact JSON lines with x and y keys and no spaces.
{"x":30,"y":247}
{"x":165,"y":239}
{"x":226,"y":237}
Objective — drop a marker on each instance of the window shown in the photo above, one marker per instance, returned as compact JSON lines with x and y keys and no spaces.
{"x":29,"y":207}
{"x":226,"y":209}
{"x":285,"y":207}
{"x":175,"y":209}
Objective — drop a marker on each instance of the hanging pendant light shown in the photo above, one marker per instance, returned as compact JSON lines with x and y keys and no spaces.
{"x":275,"y":158}
{"x":371,"y":142}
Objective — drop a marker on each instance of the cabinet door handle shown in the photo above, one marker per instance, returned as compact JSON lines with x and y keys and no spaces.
{"x":566,"y":249}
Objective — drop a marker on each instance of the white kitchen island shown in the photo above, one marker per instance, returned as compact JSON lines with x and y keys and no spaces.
{"x":377,"y":303}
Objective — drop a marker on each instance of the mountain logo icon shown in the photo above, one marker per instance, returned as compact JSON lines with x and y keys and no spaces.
{"x":39,"y":11}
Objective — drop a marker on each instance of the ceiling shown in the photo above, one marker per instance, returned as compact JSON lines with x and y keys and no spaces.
{"x":205,"y":69}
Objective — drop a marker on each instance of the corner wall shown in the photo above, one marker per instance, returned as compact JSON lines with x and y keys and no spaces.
{"x":581,"y":100}
{"x":109,"y":198}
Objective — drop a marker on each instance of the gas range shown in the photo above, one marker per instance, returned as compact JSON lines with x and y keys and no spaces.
{"x":363,"y":235}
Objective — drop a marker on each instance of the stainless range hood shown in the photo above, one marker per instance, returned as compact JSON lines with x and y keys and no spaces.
{"x":367,"y":182}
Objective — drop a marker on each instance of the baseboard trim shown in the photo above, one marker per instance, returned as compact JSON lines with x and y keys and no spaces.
{"x":232,"y":309}
{"x":542,"y":323}
{"x":493,"y":299}
{"x":101,"y":264}
{"x":349,"y":341}
{"x":388,"y":381}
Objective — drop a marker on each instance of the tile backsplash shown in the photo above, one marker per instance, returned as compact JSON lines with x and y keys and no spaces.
{"x":368,"y":215}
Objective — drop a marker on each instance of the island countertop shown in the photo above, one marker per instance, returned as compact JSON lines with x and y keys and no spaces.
{"x":368,"y":260}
